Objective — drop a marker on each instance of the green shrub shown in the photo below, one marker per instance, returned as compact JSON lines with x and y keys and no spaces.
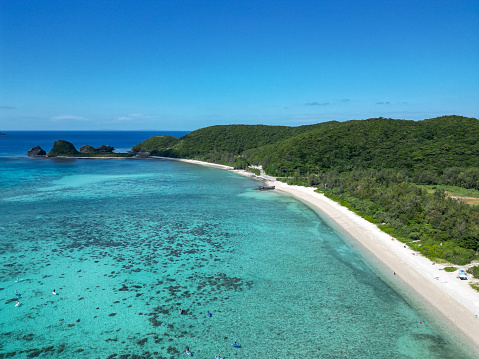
{"x":450,"y":269}
{"x":458,"y":255}
{"x":256,"y":171}
{"x":474,"y":271}
{"x":370,"y":219}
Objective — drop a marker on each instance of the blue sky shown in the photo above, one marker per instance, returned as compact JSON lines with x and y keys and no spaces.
{"x":184,"y":65}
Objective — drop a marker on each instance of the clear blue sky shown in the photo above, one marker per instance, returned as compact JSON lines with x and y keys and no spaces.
{"x":183,"y":65}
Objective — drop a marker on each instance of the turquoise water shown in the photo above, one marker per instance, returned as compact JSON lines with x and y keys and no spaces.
{"x":126,"y":244}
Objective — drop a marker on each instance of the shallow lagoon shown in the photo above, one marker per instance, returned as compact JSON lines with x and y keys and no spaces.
{"x":127,"y":243}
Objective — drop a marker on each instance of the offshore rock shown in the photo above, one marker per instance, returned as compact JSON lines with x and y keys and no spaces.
{"x":36,"y":151}
{"x":63,"y":148}
{"x":105,"y":149}
{"x":88,"y":149}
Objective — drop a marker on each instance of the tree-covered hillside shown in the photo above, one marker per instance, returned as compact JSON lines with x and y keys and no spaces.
{"x":222,"y":143}
{"x":443,"y":150}
{"x":372,"y":166}
{"x":151,"y":144}
{"x":424,"y":149}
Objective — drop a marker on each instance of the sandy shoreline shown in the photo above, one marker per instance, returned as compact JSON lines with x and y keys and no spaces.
{"x":452,"y":297}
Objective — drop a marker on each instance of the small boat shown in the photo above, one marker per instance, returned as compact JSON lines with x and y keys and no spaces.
{"x":236,"y":345}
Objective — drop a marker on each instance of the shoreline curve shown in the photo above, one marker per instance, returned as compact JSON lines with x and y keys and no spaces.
{"x":453,"y":298}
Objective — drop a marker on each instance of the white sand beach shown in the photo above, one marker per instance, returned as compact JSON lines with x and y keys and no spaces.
{"x":452,"y":297}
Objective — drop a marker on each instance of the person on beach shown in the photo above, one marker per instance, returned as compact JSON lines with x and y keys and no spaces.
{"x":187,"y":351}
{"x":181,"y":311}
{"x":209,"y":314}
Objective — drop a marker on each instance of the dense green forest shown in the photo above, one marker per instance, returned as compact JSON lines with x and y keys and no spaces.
{"x":444,"y":150}
{"x":372,"y":166}
{"x":432,"y":223}
{"x":221,"y":144}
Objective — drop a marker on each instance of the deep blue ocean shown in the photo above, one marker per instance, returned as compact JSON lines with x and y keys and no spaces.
{"x":139,"y":251}
{"x":17,"y":143}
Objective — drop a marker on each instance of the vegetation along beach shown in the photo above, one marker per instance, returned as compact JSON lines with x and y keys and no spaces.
{"x":239,"y":179}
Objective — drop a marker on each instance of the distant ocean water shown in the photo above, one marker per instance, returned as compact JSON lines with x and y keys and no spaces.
{"x":126,"y":244}
{"x":17,"y":143}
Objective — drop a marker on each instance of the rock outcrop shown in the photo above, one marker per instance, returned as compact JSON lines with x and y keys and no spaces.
{"x":105,"y":149}
{"x":63,"y":148}
{"x":36,"y":152}
{"x":88,"y":149}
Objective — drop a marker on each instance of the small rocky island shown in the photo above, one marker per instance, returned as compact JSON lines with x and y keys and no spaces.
{"x":63,"y":148}
{"x":36,"y":151}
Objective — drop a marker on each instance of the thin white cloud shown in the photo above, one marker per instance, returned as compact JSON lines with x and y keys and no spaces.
{"x":69,"y":117}
{"x":135,"y":117}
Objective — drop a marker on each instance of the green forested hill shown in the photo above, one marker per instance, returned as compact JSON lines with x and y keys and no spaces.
{"x":441,"y":150}
{"x":371,"y":166}
{"x":222,"y":143}
{"x":424,"y":149}
{"x":154,"y":143}
{"x":235,"y":139}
